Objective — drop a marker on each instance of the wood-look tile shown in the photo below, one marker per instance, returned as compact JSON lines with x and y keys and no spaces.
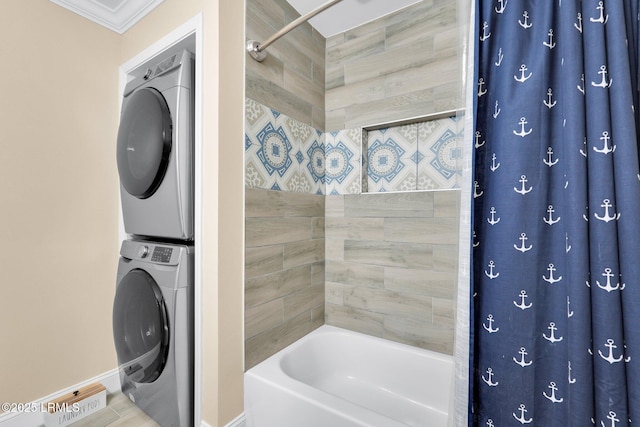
{"x":418,"y":103}
{"x":266,"y":10}
{"x":334,"y":206}
{"x":303,"y":300}
{"x":354,"y":319}
{"x":259,"y":318}
{"x":267,"y":287}
{"x":446,"y":204}
{"x":273,"y":231}
{"x":268,"y":343}
{"x":392,"y":254}
{"x":427,"y":76}
{"x":333,"y":78}
{"x":444,"y":312}
{"x":335,"y":120}
{"x":334,"y":293}
{"x":263,"y":203}
{"x":421,"y":230}
{"x":388,"y":302}
{"x":355,"y":228}
{"x":398,"y":205}
{"x":445,"y":257}
{"x":304,"y":86}
{"x":303,"y":252}
{"x":263,"y":260}
{"x":317,"y":228}
{"x":334,"y":249}
{"x":318,"y":273}
{"x":419,"y":333}
{"x":425,"y":282}
{"x":348,"y":273}
{"x":371,"y":43}
{"x":303,"y":204}
{"x":317,"y":317}
{"x":358,"y":93}
{"x":269,"y":93}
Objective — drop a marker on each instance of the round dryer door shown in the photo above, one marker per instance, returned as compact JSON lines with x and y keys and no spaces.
{"x":140,"y":327}
{"x":144,"y":142}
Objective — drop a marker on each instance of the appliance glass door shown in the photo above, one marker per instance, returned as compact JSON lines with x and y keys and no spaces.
{"x":144,"y":142}
{"x":140,"y":327}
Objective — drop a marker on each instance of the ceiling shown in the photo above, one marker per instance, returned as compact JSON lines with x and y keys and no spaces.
{"x":347,"y":14}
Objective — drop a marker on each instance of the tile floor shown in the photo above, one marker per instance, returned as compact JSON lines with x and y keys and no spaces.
{"x":120,"y":412}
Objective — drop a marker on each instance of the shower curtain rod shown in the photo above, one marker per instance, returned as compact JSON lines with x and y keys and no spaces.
{"x":256,"y":50}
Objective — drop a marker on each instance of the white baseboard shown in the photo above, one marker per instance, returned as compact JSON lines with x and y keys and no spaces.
{"x":110,"y":380}
{"x":239,"y":421}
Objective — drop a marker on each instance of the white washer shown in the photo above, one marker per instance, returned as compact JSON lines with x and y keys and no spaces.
{"x":155,"y":149}
{"x":153,"y":329}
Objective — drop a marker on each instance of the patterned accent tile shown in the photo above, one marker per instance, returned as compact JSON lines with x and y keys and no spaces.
{"x":439,"y":143}
{"x":390,"y":159}
{"x":343,"y":162}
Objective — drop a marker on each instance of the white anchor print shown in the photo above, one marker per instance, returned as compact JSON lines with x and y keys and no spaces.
{"x":490,"y":423}
{"x":601,"y":19}
{"x":603,"y":83}
{"x":585,"y":151}
{"x":569,"y":311}
{"x":552,"y":338}
{"x":522,"y":362}
{"x":492,"y":220}
{"x":522,"y":418}
{"x":606,"y":204}
{"x":550,"y":220}
{"x":610,"y":358}
{"x":490,"y":328}
{"x":571,"y":380}
{"x":551,"y":280}
{"x":496,"y":110}
{"x":479,"y":144}
{"x":475,"y":190}
{"x":475,"y":244}
{"x":500,"y":58}
{"x":526,"y":24}
{"x":522,"y":248}
{"x":484,"y":36}
{"x":612,"y":417}
{"x":585,"y":216}
{"x":503,"y":6}
{"x":549,"y":102}
{"x":550,"y":44}
{"x":579,"y":24}
{"x":567,"y":246}
{"x":549,"y":160}
{"x":608,"y":287}
{"x":581,"y":88}
{"x":490,"y":274}
{"x":606,"y":147}
{"x":522,"y":305}
{"x":495,"y":166}
{"x":552,"y":397}
{"x":523,"y":190}
{"x":523,"y":121}
{"x":489,"y":381}
{"x":627,"y":359}
{"x":481,"y":89}
{"x":522,"y":78}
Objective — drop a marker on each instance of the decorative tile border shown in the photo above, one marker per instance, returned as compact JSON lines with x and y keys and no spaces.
{"x":282,"y":153}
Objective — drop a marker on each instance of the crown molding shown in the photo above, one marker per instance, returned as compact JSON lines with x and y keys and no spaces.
{"x":116,"y":15}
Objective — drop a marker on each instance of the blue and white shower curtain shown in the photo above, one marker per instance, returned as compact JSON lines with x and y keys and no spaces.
{"x":556,"y":215}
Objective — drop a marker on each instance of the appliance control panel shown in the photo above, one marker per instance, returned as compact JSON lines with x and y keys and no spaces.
{"x":152,"y":252}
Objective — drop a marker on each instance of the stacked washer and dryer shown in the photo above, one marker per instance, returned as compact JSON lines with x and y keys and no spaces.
{"x":153,"y":306}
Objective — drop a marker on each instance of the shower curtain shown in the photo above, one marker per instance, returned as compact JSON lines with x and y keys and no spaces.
{"x":555,"y":294}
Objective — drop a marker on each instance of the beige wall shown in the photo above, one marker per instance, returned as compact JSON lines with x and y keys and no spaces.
{"x":59,"y":186}
{"x":59,"y":199}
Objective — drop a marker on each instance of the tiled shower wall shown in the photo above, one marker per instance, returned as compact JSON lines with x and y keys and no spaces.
{"x":400,"y":66}
{"x":284,"y":270}
{"x":391,"y":265}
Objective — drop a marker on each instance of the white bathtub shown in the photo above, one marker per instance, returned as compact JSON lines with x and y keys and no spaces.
{"x":338,"y":378}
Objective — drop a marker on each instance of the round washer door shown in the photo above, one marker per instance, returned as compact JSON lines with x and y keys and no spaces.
{"x":144,"y":142}
{"x":140,"y":327}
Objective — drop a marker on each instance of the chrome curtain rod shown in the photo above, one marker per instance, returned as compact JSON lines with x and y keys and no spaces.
{"x":256,"y":50}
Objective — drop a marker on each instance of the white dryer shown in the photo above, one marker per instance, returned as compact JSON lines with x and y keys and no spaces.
{"x":153,"y":329}
{"x":155,"y":149}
